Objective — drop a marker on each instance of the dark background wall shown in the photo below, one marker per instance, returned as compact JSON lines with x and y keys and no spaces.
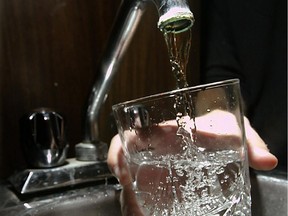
{"x":49,"y":52}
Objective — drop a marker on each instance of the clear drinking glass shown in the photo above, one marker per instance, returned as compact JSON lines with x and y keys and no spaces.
{"x":186,"y":151}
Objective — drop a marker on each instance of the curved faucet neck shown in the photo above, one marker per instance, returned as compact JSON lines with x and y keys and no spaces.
{"x":175,"y":15}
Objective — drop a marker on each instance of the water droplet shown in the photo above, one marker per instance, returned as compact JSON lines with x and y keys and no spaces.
{"x":180,"y":172}
{"x":220,"y":170}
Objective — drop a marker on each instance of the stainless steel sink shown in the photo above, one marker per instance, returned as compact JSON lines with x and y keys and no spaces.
{"x":102,"y":201}
{"x":269,"y":198}
{"x":99,"y":200}
{"x":269,"y":193}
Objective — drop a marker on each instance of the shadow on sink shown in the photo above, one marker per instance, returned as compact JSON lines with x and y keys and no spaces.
{"x":269,"y":197}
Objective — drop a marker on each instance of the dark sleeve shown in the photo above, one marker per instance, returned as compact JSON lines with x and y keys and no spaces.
{"x":247,"y":39}
{"x":219,"y":57}
{"x":236,"y":40}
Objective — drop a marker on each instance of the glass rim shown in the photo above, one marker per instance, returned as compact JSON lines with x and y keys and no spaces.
{"x":201,"y":87}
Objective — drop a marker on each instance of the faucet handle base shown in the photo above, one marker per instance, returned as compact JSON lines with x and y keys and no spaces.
{"x":73,"y":173}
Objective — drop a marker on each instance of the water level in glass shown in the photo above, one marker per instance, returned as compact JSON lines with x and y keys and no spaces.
{"x":213,"y":184}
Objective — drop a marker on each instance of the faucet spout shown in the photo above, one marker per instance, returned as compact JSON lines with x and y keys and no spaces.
{"x":175,"y":15}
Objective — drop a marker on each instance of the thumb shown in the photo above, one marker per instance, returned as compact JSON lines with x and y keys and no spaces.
{"x":117,"y":161}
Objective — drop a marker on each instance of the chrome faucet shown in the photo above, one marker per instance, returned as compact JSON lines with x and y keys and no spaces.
{"x":174,"y":15}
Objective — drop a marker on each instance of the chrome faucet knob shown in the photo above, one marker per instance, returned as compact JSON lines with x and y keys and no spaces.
{"x":43,"y":138}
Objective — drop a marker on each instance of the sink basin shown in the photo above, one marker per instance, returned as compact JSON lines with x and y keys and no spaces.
{"x":100,"y":200}
{"x":269,"y":197}
{"x":269,"y":193}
